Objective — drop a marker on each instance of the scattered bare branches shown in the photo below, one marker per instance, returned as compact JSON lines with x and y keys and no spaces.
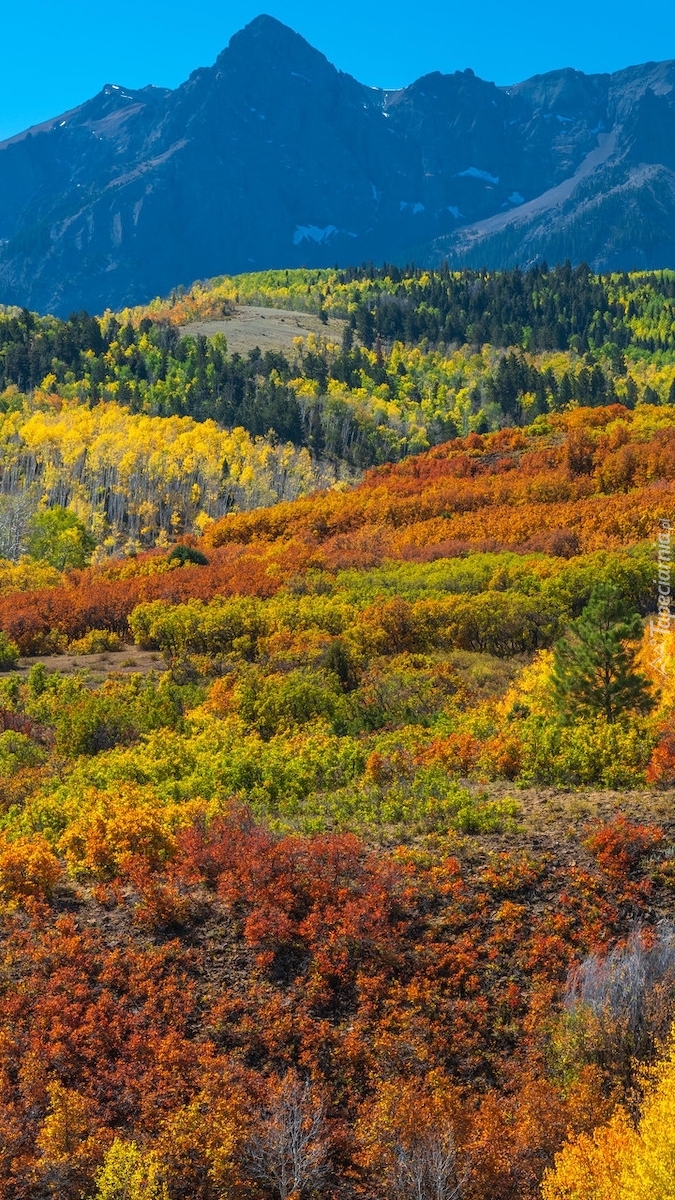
{"x":426,"y":1168}
{"x":289,"y":1150}
{"x":620,"y":983}
{"x":624,"y":1001}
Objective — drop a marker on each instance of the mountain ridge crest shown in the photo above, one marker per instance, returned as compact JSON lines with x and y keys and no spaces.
{"x":273,"y":157}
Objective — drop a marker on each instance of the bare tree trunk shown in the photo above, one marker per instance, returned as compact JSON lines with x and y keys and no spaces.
{"x":289,"y":1151}
{"x":426,"y":1168}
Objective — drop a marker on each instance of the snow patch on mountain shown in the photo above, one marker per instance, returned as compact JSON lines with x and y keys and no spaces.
{"x":475,"y":173}
{"x":313,"y":233}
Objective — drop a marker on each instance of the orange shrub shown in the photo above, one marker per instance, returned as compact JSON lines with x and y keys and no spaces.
{"x":502,"y":756}
{"x":458,"y":752}
{"x":29,"y":869}
{"x":661,"y":768}
{"x":620,"y":845}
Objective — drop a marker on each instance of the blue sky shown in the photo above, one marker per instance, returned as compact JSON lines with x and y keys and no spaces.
{"x":57,"y":53}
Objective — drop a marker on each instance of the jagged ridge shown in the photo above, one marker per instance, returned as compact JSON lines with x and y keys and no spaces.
{"x":272,"y":158}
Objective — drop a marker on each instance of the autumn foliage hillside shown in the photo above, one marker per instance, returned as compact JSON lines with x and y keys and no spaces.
{"x":337,"y":733}
{"x":339,"y":897}
{"x":585,"y":481}
{"x":148,"y":423}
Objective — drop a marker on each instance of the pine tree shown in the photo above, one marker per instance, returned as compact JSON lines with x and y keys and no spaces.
{"x":594,"y":669}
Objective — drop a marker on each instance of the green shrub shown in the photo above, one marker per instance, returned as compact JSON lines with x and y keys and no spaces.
{"x":427,"y":800}
{"x":57,"y":536}
{"x":117,"y":714}
{"x":590,"y":751}
{"x":96,"y":641}
{"x":196,"y":627}
{"x":37,"y":680}
{"x":9,"y":653}
{"x":96,"y":722}
{"x":52,"y":642}
{"x":16,"y":751}
{"x":274,"y":703}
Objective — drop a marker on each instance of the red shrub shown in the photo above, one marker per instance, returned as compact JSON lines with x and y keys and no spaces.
{"x":620,"y":845}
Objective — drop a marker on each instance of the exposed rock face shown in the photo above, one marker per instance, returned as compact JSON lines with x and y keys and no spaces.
{"x":273,"y":158}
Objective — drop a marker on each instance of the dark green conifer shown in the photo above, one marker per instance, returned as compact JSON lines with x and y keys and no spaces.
{"x":188,"y":556}
{"x":594,"y":669}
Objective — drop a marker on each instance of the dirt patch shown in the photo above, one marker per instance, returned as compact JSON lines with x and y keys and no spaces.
{"x":268,"y":328}
{"x":97,"y":667}
{"x":551,"y":820}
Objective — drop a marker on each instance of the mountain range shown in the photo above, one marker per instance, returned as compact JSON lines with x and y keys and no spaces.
{"x":274,"y":158}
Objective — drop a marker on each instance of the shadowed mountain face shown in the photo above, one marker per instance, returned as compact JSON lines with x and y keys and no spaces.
{"x":273,"y":158}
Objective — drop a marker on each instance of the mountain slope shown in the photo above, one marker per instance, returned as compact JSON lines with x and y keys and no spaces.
{"x":615,"y":211}
{"x":273,"y":158}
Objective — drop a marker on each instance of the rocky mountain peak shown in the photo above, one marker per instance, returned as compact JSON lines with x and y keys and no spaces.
{"x":274,"y":158}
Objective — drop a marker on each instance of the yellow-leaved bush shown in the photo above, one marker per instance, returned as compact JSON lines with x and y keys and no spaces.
{"x":107,"y":829}
{"x":621,"y":1161}
{"x":130,"y":1173}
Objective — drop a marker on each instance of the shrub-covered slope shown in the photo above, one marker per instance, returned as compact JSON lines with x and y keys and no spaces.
{"x":377,"y":843}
